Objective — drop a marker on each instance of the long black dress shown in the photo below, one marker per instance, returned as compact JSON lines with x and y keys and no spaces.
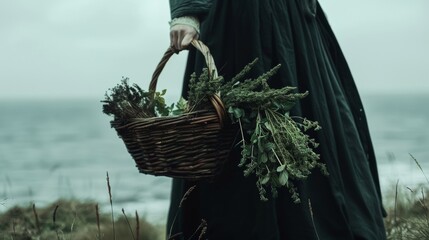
{"x":295,"y":33}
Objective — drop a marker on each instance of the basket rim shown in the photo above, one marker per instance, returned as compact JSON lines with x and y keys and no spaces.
{"x":130,"y":121}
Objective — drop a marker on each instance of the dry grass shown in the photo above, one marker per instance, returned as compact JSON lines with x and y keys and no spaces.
{"x":73,"y":220}
{"x":408,"y":217}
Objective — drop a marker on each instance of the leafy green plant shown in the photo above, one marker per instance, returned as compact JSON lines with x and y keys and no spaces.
{"x":274,"y":145}
{"x":125,"y":101}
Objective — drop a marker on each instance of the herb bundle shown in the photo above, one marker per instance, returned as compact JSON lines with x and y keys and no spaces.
{"x":274,"y":145}
{"x":125,"y":101}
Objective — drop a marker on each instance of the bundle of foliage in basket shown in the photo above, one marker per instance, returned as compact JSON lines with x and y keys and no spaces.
{"x":125,"y":102}
{"x":274,"y":145}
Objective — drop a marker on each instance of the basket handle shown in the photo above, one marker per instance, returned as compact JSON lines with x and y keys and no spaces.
{"x":200,"y":46}
{"x":170,"y":51}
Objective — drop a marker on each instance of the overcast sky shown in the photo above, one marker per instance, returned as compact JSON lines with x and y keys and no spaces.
{"x":80,"y":48}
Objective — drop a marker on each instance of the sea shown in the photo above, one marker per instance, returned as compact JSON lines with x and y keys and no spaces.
{"x":52,"y":149}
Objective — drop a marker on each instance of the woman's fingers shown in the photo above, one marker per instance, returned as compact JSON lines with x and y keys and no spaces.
{"x":187,"y":39}
{"x":181,"y":36}
{"x":178,"y":43}
{"x":173,"y":38}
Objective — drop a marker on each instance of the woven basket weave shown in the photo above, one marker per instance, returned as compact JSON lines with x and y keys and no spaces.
{"x":193,"y":145}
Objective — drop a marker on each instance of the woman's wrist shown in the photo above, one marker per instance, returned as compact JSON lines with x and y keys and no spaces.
{"x":186,"y":20}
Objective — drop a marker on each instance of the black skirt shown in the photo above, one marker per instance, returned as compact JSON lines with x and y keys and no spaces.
{"x":347,"y":203}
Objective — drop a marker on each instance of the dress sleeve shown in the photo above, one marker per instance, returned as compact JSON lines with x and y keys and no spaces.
{"x":198,"y":8}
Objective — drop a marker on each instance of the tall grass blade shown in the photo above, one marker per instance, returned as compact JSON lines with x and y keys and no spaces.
{"x":425,"y":207}
{"x":97,"y":214}
{"x":36,"y":217}
{"x":396,"y":203}
{"x":202,"y":225}
{"x":312,"y":218}
{"x":185,"y":196}
{"x":111,"y":204}
{"x":72,"y":225}
{"x":420,"y":167}
{"x":203,"y":232}
{"x":54,"y":218}
{"x":137,"y":226}
{"x":128,"y":223}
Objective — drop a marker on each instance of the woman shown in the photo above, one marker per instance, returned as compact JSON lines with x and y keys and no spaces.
{"x":295,"y":33}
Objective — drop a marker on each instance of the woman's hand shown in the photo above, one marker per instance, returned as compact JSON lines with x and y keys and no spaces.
{"x":181,"y":36}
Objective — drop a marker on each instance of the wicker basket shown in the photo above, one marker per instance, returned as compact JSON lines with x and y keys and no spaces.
{"x":194,"y":145}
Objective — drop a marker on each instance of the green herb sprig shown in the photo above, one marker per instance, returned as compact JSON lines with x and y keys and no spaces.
{"x":202,"y":88}
{"x":125,"y":101}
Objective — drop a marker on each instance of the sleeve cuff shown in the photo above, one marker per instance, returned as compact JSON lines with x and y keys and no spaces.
{"x":186,"y":20}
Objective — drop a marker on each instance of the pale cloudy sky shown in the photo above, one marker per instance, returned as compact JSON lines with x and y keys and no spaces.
{"x":80,"y":48}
